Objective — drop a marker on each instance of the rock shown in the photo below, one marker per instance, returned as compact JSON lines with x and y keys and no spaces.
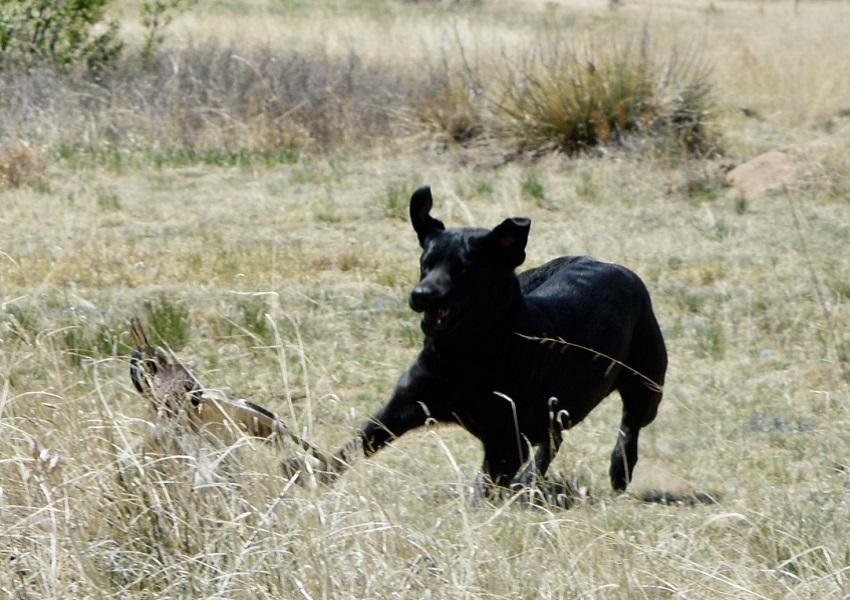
{"x":766,"y":172}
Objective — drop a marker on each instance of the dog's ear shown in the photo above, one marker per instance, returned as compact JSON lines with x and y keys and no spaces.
{"x":423,"y":223}
{"x":508,"y":239}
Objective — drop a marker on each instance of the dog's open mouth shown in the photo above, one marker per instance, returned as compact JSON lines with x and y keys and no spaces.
{"x":438,"y":319}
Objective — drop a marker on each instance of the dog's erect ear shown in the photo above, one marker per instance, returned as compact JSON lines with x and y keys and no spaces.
{"x":508,"y":239}
{"x":423,"y":223}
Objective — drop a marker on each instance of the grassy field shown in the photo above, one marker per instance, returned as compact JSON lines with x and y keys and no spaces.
{"x":278,"y":266}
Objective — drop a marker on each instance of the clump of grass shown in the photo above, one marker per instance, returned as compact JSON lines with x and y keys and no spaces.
{"x":711,"y":340}
{"x":169,"y":322}
{"x":92,"y":338}
{"x":531,"y":187}
{"x":706,"y":186}
{"x":481,"y":187}
{"x":567,"y":98}
{"x":20,"y":164}
{"x":253,"y":312}
{"x":21,"y":323}
{"x":586,"y":188}
{"x":108,"y":199}
{"x":248,"y":316}
{"x":684,"y":121}
{"x":76,"y":345}
{"x":394,"y":201}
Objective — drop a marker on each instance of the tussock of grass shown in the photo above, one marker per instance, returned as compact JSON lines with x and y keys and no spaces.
{"x":450,"y":101}
{"x":565,"y":97}
{"x":169,"y":322}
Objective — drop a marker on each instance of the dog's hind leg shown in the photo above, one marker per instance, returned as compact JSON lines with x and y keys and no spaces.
{"x":641,"y":392}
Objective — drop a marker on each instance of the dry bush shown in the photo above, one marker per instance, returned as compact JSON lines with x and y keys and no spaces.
{"x":449,"y":99}
{"x":20,"y":164}
{"x":208,"y":97}
{"x":568,"y":97}
{"x":294,"y":98}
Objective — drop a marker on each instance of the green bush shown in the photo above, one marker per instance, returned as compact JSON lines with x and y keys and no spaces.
{"x":62,"y":32}
{"x":156,"y":15}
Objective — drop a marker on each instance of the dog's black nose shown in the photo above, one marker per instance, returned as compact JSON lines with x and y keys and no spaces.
{"x":422,"y":297}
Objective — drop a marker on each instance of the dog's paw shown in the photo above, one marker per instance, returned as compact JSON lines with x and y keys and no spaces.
{"x":619,"y":477}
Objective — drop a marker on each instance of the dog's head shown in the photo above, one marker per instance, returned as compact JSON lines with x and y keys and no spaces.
{"x":467,"y":275}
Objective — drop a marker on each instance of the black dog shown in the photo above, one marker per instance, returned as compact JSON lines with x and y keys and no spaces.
{"x":515,"y":360}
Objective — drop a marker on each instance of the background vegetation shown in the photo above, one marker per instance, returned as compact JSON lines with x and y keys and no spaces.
{"x":246,"y":196}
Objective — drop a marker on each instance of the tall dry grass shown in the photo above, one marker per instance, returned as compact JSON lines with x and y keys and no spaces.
{"x":755,"y":412}
{"x":207,"y":97}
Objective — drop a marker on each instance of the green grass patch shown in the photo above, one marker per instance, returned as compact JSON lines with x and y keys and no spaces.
{"x":168,"y":322}
{"x":247,"y":318}
{"x":119,"y":158}
{"x":531,"y":187}
{"x":394,"y":201}
{"x":84,"y":342}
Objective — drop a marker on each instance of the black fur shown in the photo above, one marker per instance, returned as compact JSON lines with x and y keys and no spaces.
{"x":515,"y":360}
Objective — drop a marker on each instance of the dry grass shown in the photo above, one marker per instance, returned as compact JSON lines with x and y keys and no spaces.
{"x":756,"y":409}
{"x":21,"y":164}
{"x":567,"y":98}
{"x":538,"y":94}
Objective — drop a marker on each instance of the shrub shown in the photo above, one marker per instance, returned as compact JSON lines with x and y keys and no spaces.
{"x":567,"y":98}
{"x":156,"y":15}
{"x":63,"y":32}
{"x":449,"y":101}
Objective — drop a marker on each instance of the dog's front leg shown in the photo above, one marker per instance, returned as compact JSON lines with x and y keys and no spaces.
{"x":503,"y":458}
{"x":534,"y":470}
{"x":405,"y":410}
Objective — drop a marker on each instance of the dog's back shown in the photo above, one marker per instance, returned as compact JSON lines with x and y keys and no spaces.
{"x":584,"y":301}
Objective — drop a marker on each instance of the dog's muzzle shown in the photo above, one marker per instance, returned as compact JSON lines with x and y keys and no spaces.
{"x":423,"y":298}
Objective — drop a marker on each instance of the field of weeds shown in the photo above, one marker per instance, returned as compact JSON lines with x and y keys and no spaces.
{"x":245,"y":195}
